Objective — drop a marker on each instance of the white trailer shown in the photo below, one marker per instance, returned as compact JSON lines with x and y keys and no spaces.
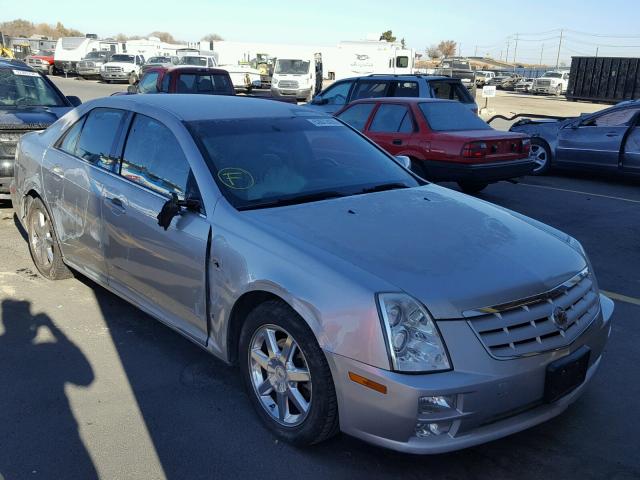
{"x":356,"y":58}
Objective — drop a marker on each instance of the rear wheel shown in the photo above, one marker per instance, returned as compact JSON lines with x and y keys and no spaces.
{"x":43,"y":243}
{"x":472,"y":187}
{"x":286,"y":375}
{"x":541,"y":155}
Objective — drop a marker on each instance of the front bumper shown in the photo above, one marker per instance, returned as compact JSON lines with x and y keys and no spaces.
{"x":122,"y":76}
{"x":297,"y":93}
{"x":479,"y":172}
{"x":5,"y":183}
{"x":494,"y":398}
{"x":89,"y":71}
{"x":551,"y":89}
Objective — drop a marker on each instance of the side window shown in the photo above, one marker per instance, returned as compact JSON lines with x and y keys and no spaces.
{"x":392,"y":119}
{"x":618,"y":118}
{"x":149,"y":83}
{"x":337,"y":94}
{"x":164,"y":87}
{"x":70,"y":139}
{"x":153,"y":158}
{"x":98,"y":135}
{"x":450,"y":91}
{"x":186,"y":83}
{"x":404,"y":89}
{"x":357,"y":115}
{"x":370,"y":90}
{"x":402,"y":62}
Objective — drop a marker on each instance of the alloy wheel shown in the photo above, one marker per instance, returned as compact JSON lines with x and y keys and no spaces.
{"x":280,"y":375}
{"x":41,"y":238}
{"x":539,"y":155}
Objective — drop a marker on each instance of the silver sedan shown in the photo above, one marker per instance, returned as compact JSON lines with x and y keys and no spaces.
{"x":352,"y":294}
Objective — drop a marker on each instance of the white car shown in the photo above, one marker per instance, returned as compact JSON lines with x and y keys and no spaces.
{"x":122,"y":67}
{"x":483,"y":77}
{"x":553,"y":83}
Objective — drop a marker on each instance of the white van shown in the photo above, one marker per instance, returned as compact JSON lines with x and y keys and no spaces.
{"x":300,"y":78}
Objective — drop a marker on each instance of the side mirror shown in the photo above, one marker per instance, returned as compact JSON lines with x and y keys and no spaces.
{"x":75,"y":101}
{"x":173,"y":207}
{"x":404,"y":161}
{"x":132,"y":89}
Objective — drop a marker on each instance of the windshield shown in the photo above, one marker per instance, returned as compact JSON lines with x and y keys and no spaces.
{"x":456,"y":65}
{"x":20,"y":88}
{"x":199,"y":61}
{"x":159,"y":60}
{"x":95,"y":55}
{"x":553,"y":75}
{"x":123,"y":58}
{"x":451,"y":117}
{"x":292,"y":67}
{"x":268,"y":162}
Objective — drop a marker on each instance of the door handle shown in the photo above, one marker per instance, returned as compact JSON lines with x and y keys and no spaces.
{"x":116,"y":205}
{"x":117,"y":202}
{"x":57,"y":170}
{"x":613,"y":134}
{"x":396,"y":142}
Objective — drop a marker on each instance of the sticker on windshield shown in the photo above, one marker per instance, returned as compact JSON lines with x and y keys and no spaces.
{"x":324,"y":122}
{"x":25,"y":73}
{"x":236,"y":178}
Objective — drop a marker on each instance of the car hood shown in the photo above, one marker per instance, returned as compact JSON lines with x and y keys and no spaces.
{"x":30,"y":117}
{"x":451,"y":251}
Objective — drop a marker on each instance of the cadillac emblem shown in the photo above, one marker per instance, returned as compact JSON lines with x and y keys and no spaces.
{"x":560,"y":318}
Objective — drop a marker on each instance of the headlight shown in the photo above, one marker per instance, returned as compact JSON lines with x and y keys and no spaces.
{"x":274,"y":81}
{"x":413,"y":340}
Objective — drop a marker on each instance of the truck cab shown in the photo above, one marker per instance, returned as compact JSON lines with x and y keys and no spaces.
{"x":297,"y":77}
{"x":554,"y":82}
{"x":184,"y":79}
{"x":122,"y":67}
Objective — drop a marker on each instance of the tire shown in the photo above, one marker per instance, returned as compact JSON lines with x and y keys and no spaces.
{"x":43,"y":243}
{"x":51,"y":70}
{"x":472,"y":187}
{"x":541,"y":154}
{"x":133,"y":78}
{"x":294,"y":425}
{"x":559,"y":91}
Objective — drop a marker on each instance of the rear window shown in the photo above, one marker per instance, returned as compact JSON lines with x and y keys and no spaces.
{"x":204,"y":84}
{"x":447,"y":90}
{"x":451,"y":117}
{"x":404,"y":89}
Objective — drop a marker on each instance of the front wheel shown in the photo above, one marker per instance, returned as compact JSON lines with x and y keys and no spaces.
{"x":541,"y":155}
{"x":286,"y":375}
{"x":43,"y":243}
{"x":133,"y":78}
{"x":472,"y":187}
{"x":558,"y":90}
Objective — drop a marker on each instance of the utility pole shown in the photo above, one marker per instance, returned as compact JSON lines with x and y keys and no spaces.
{"x":475,"y":53}
{"x":541,"y":52}
{"x":459,"y":49}
{"x":506,"y":57}
{"x":515,"y":52}
{"x":559,"y":47}
{"x":597,"y":50}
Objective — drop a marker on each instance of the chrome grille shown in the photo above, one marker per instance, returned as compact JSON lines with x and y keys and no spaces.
{"x":8,"y":143}
{"x":86,"y":64}
{"x":113,"y":69}
{"x":288,"y":84}
{"x":532,"y":325}
{"x":34,"y":61}
{"x":543,"y":83}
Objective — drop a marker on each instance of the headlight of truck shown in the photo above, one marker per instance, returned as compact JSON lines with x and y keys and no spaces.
{"x":274,"y":81}
{"x":413,"y":340}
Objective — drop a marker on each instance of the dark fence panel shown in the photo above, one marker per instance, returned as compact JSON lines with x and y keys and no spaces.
{"x":604,"y":79}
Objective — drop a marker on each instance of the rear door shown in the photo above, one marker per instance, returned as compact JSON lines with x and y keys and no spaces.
{"x":631,"y":151}
{"x":392,"y":127}
{"x":596,"y":142}
{"x":164,"y":271}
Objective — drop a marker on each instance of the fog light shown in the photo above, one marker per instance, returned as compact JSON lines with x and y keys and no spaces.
{"x":424,"y":430}
{"x":438,"y":404}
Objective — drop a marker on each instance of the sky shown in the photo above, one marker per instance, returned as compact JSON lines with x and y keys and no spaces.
{"x":485,"y":25}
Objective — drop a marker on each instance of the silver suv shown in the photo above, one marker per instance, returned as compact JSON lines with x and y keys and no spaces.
{"x":352,"y":294}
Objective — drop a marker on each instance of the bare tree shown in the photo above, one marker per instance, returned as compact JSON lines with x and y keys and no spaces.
{"x":163,"y":36}
{"x":433,"y":52}
{"x":388,"y":36}
{"x":447,"y":48}
{"x":212,"y":37}
{"x":21,"y":27}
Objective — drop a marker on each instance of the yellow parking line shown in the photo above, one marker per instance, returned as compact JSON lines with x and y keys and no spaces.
{"x":580,"y":192}
{"x":622,"y":298}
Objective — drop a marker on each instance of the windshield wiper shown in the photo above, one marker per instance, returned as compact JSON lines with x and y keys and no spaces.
{"x":384,"y":187}
{"x":280,"y":202}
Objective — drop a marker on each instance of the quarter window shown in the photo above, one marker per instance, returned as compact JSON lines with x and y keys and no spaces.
{"x":70,"y":140}
{"x":450,"y":91}
{"x":97,"y":138}
{"x":357,"y":115}
{"x":392,"y":118}
{"x":154,"y":159}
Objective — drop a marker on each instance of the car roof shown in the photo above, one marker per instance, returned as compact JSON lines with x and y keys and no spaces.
{"x":15,"y":64}
{"x":405,"y":100}
{"x":401,"y":76}
{"x":189,"y":68}
{"x":193,"y":107}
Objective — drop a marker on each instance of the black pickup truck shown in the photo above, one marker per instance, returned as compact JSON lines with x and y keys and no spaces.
{"x":460,"y":69}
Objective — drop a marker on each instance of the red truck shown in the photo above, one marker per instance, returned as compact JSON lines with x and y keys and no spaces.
{"x":184,"y":79}
{"x":444,"y":140}
{"x":43,"y":62}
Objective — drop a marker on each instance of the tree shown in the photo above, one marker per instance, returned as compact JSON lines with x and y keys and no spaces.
{"x":388,"y":36}
{"x":403,"y":43}
{"x":20,"y":27}
{"x":163,"y":36}
{"x":433,"y":52}
{"x":447,"y":48}
{"x":212,"y":37}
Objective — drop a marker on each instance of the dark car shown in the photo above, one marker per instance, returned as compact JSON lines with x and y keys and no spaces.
{"x":184,"y":79}
{"x":608,"y":140}
{"x":28,"y":101}
{"x":342,"y":92}
{"x":443,"y":139}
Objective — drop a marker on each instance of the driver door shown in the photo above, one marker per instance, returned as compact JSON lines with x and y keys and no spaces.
{"x":162,"y":271}
{"x":597,"y":141}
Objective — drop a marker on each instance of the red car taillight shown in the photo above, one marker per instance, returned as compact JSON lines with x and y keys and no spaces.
{"x":474,"y":150}
{"x":526,"y":145}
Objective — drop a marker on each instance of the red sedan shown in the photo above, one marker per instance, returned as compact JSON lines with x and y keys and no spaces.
{"x":445,"y":141}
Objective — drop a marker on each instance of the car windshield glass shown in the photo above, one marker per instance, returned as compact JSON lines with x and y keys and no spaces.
{"x":95,"y":55}
{"x":199,"y":61}
{"x":269,"y":162}
{"x":46,"y":53}
{"x":553,"y":75}
{"x":158,"y":60}
{"x":23,"y":88}
{"x":123,"y":58}
{"x":451,"y":117}
{"x":294,"y":67}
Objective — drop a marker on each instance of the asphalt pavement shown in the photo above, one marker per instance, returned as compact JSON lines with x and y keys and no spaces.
{"x":90,"y":387}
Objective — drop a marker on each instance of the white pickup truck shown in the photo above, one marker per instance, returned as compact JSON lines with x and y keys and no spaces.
{"x":553,"y":82}
{"x":122,"y":67}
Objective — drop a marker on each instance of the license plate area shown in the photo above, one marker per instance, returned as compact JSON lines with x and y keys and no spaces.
{"x":566,"y":374}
